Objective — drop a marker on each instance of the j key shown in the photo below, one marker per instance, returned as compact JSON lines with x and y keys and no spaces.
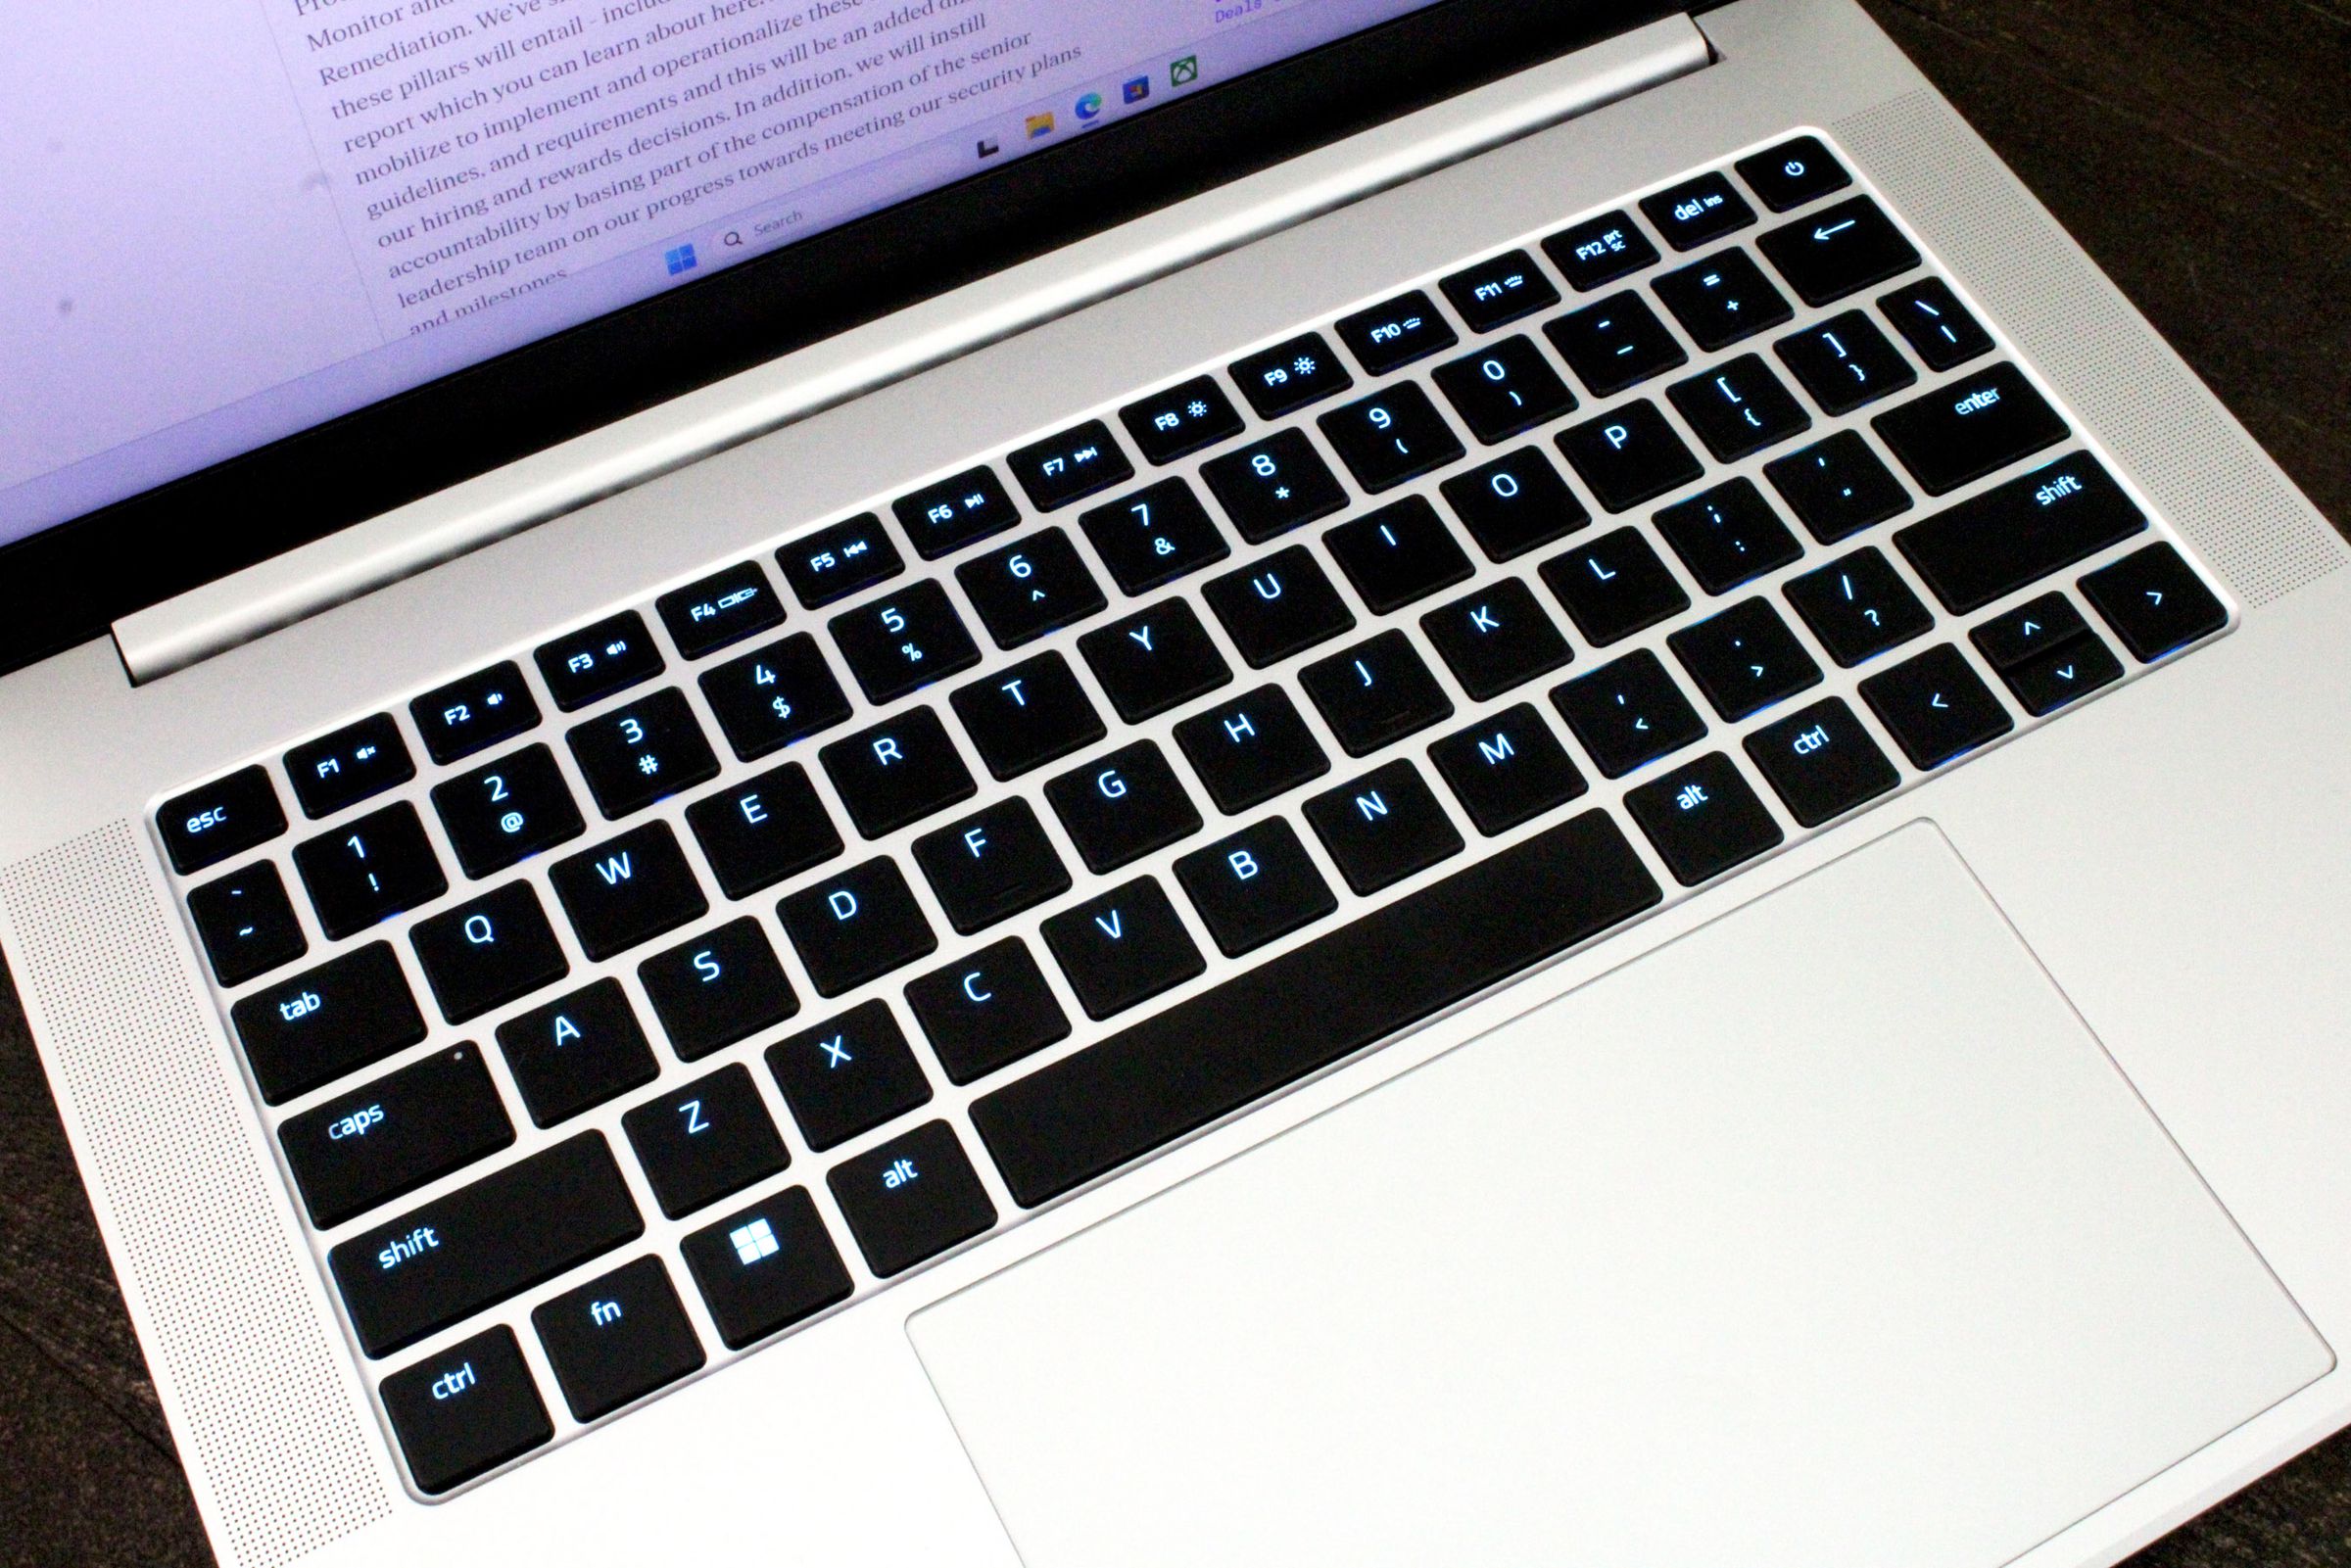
{"x":1374,"y":692}
{"x":1027,"y":715}
{"x":1277,"y":605}
{"x":1251,"y":750}
{"x":512,"y":809}
{"x":1496,"y":638}
{"x":1154,"y":535}
{"x":1396,"y":332}
{"x":1745,"y":659}
{"x":617,"y":1338}
{"x":465,"y":1411}
{"x":1070,"y":466}
{"x":1089,"y":1113}
{"x":369,"y":870}
{"x":763,"y":829}
{"x":2057,"y":678}
{"x":473,"y":1247}
{"x":1858,"y":607}
{"x":2028,"y":631}
{"x":766,"y":1268}
{"x":2017,"y":533}
{"x":704,"y":1140}
{"x":390,"y":1137}
{"x":1290,"y":375}
{"x":1697,"y":211}
{"x":1629,"y":713}
{"x":1704,"y":818}
{"x":829,"y":565}
{"x":724,"y":608}
{"x":576,"y":1053}
{"x":247,"y":924}
{"x":1255,"y":886}
{"x":1507,"y":769}
{"x":346,"y":767}
{"x":723,"y":987}
{"x":1392,"y":436}
{"x":1599,"y":251}
{"x":898,"y":772}
{"x":1821,"y":762}
{"x":1615,"y":585}
{"x":944,"y":517}
{"x":1382,"y":827}
{"x":848,"y":1075}
{"x":1968,"y":428}
{"x":1629,"y":457}
{"x":1123,"y":947}
{"x":226,"y":817}
{"x":1122,"y":806}
{"x":1936,"y":326}
{"x":1723,"y":298}
{"x":911,"y":1199}
{"x":987,"y":1012}
{"x":1504,"y":389}
{"x":1837,"y":487}
{"x":909,"y":640}
{"x":1615,"y":344}
{"x":315,"y":1026}
{"x":641,"y":753}
{"x":1936,"y":706}
{"x":1180,"y":420}
{"x":991,"y":865}
{"x":856,"y":925}
{"x":2154,"y":601}
{"x":780,"y":694}
{"x":1154,"y":660}
{"x":466,"y":716}
{"x":1397,"y":554}
{"x":1515,"y":504}
{"x":1839,"y":250}
{"x":1739,"y":408}
{"x":1793,"y":173}
{"x":1272,"y":486}
{"x":598,"y":660}
{"x":1728,"y":536}
{"x":1031,"y":588}
{"x":488,"y":951}
{"x":1846,"y":362}
{"x":628,"y":889}
{"x":1499,"y":289}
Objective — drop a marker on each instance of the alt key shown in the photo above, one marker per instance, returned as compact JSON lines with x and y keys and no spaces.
{"x":911,"y":1199}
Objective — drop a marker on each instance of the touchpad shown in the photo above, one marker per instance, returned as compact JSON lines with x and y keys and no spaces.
{"x":1826,"y":1234}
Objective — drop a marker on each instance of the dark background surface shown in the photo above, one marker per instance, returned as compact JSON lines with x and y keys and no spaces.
{"x":2197,"y":150}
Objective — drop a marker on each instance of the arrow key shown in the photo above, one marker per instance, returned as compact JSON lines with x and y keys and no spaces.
{"x":1937,"y":706}
{"x":2154,"y":601}
{"x":2028,"y":631}
{"x":2049,"y":682}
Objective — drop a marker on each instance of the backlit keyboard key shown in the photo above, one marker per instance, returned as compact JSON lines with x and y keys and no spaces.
{"x":1616,"y":344}
{"x":1858,"y":607}
{"x":1123,"y":947}
{"x":596,"y":661}
{"x":1628,"y":714}
{"x":1496,"y":638}
{"x":1030,"y":588}
{"x":724,"y":608}
{"x":1599,"y":251}
{"x":1272,"y":486}
{"x":901,"y":771}
{"x":645,"y":751}
{"x":1723,"y":298}
{"x":1027,"y":715}
{"x":1615,"y":585}
{"x":347,"y":767}
{"x":903,"y":641}
{"x":1396,"y":332}
{"x":767,"y":699}
{"x":1398,"y":554}
{"x":1506,"y":388}
{"x":628,"y":889}
{"x":1515,"y":504}
{"x":838,"y":559}
{"x":1839,"y":250}
{"x":1121,"y":806}
{"x":1728,"y":536}
{"x":488,"y":952}
{"x":1290,"y":375}
{"x":1821,"y":762}
{"x":1629,"y":457}
{"x":987,"y":1010}
{"x":1845,"y":363}
{"x":1383,"y":828}
{"x":2017,"y":533}
{"x":1971,"y":427}
{"x":313,"y":1027}
{"x":849,"y":1075}
{"x":765,"y":1267}
{"x":911,"y":1199}
{"x":1377,"y":691}
{"x":704,"y":1139}
{"x":1507,"y":769}
{"x":1499,"y":289}
{"x":1837,"y":487}
{"x":1252,"y":748}
{"x":1278,"y":606}
{"x":769,"y":827}
{"x":508,"y":811}
{"x":1181,"y":419}
{"x":1739,"y":408}
{"x":1704,"y":818}
{"x":1745,"y":659}
{"x":1936,"y":706}
{"x":1154,"y":660}
{"x":1936,"y":326}
{"x":465,"y":1411}
{"x":1798,"y":170}
{"x":991,"y":865}
{"x":1154,"y":535}
{"x":369,"y":870}
{"x":1070,"y":466}
{"x":385,"y":1139}
{"x":722,"y":986}
{"x":2057,"y":678}
{"x":961,"y":509}
{"x":856,"y":925}
{"x":466,"y":716}
{"x":576,"y":1053}
{"x":1698,"y":210}
{"x":2156,"y":602}
{"x":617,"y":1338}
{"x":1392,"y":436}
{"x":247,"y":924}
{"x":227,"y":817}
{"x":1255,"y":886}
{"x":2028,"y":631}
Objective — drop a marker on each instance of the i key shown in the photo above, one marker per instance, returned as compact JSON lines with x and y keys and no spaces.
{"x":1392,"y":436}
{"x":369,"y":870}
{"x":1397,"y":554}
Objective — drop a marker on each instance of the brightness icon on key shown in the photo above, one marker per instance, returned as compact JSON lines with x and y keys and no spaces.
{"x":754,"y":1241}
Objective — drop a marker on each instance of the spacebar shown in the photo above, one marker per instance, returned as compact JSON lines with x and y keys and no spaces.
{"x":1094,"y":1110}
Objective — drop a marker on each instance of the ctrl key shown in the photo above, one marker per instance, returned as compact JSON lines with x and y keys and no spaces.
{"x":465,"y":1411}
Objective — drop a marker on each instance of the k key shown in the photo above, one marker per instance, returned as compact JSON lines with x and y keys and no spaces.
{"x":1402,"y":553}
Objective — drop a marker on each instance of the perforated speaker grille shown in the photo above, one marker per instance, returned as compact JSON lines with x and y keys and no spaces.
{"x":2201,"y":470}
{"x":270,"y":1423}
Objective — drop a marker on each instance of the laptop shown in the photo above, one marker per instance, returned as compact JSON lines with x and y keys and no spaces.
{"x":1360,"y":782}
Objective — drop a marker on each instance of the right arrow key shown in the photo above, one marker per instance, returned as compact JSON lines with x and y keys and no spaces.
{"x":2156,"y":602}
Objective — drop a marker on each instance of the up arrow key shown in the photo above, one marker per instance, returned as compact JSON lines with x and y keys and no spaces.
{"x":2029,"y":629}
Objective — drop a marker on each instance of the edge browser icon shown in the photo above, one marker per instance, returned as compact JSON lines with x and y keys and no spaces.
{"x":1089,"y":107}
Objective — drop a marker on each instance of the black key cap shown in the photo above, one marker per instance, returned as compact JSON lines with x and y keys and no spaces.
{"x":465,"y":1411}
{"x":1397,"y":554}
{"x":1723,"y":298}
{"x":598,"y":660}
{"x":1745,"y":659}
{"x":470,"y":1248}
{"x":1030,"y":588}
{"x":1703,"y":819}
{"x":2155,"y":602}
{"x":617,"y":1338}
{"x":1858,"y":607}
{"x":1394,"y":434}
{"x":724,"y":608}
{"x":1846,"y":362}
{"x":1697,"y":211}
{"x":1615,"y":585}
{"x":1276,"y":606}
{"x":1123,"y":947}
{"x":1377,"y":691}
{"x":1122,"y":806}
{"x":1154,"y":535}
{"x":1382,"y":827}
{"x":1255,"y":886}
{"x":1615,"y":344}
{"x":763,"y":829}
{"x":508,"y":811}
{"x":849,"y":1075}
{"x":346,"y":767}
{"x":313,"y":1027}
{"x":390,"y":1137}
{"x":1092,"y":1112}
{"x":987,"y":1012}
{"x":576,"y":1053}
{"x":704,"y":1140}
{"x":836,"y":560}
{"x":2028,"y":631}
{"x":2049,"y":682}
{"x":768,"y":699}
{"x":1739,"y":408}
{"x":369,"y":870}
{"x":955,"y":512}
{"x":1154,"y":660}
{"x":1025,"y":716}
{"x":466,"y":716}
{"x":1396,"y":332}
{"x":1505,"y":388}
{"x":1070,"y":466}
{"x":911,"y":1199}
{"x":247,"y":924}
{"x":1496,"y":638}
{"x":909,"y":640}
{"x":1962,"y":431}
{"x":1798,"y":170}
{"x":1251,"y":750}
{"x":628,"y":891}
{"x":1936,"y":326}
{"x":486,"y":952}
{"x":991,"y":865}
{"x":645,"y":751}
{"x":856,"y":925}
{"x":1839,"y":250}
{"x":1272,"y":486}
{"x":1629,"y":457}
{"x":1728,"y":536}
{"x":1507,"y":769}
{"x":1599,"y":251}
{"x":766,"y":1268}
{"x":1502,"y":288}
{"x":1936,"y":706}
{"x":1515,"y":504}
{"x":2016,"y":532}
{"x":723,"y":987}
{"x":1629,"y":713}
{"x":1821,"y":762}
{"x":899,"y":771}
{"x":1181,"y":419}
{"x":1837,"y":487}
{"x":1290,"y":375}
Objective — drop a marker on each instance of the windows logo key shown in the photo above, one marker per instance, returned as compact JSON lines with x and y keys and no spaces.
{"x":754,"y":1241}
{"x":679,"y":259}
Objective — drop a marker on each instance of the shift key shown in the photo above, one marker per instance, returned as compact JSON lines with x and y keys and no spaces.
{"x":1991,"y":545}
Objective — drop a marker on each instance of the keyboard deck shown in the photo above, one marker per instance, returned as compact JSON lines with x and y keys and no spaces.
{"x":691,"y":972}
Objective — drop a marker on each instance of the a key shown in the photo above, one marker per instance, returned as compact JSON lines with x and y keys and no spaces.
{"x":1699,"y":210}
{"x":508,"y":811}
{"x":2028,"y":631}
{"x":1845,"y":363}
{"x":856,"y":925}
{"x":836,"y":560}
{"x":1723,"y":298}
{"x":1394,"y":434}
{"x":475,"y":713}
{"x":1599,"y":251}
{"x":703,"y":1140}
{"x":1858,"y":607}
{"x":1745,"y":659}
{"x":576,"y":1052}
{"x":1971,"y":427}
{"x":987,"y":1010}
{"x":617,"y":1338}
{"x":1616,"y":344}
{"x":1255,"y":886}
{"x":1936,"y":707}
{"x":1399,"y":554}
{"x":1629,"y":457}
{"x":465,"y":1411}
{"x":724,"y":608}
{"x":764,"y":1268}
{"x":1795,"y":171}
{"x":645,"y":751}
{"x":627,"y":890}
{"x":1252,"y":748}
{"x":1181,"y":419}
{"x":901,"y":771}
{"x":1515,"y":503}
{"x":903,"y":641}
{"x":596,"y":661}
{"x":385,"y":1139}
{"x":1505,"y":388}
{"x":1377,"y":691}
{"x":767,"y":699}
{"x":1396,"y":332}
{"x":1936,"y":326}
{"x":1382,"y":827}
{"x":1991,"y":545}
{"x":2045,"y":684}
{"x":1030,"y":586}
{"x":1821,"y":762}
{"x":1290,"y":375}
{"x":247,"y":924}
{"x":1154,"y":660}
{"x":991,"y":865}
{"x":763,"y":829}
{"x":488,"y":951}
{"x":1839,"y":250}
{"x":1739,"y":408}
{"x":1272,"y":486}
{"x":1704,"y":818}
{"x":1070,"y":466}
{"x":849,"y":1075}
{"x":369,"y":870}
{"x":1615,"y":585}
{"x":1499,"y":289}
{"x":346,"y":767}
{"x":1628,"y":714}
{"x":1155,"y":536}
{"x":1728,"y":536}
{"x":1027,"y":715}
{"x":1837,"y":487}
{"x":1277,"y":605}
{"x":723,"y":987}
{"x":1496,"y":638}
{"x":1507,"y":769}
{"x":2155,"y":602}
{"x":949,"y":514}
{"x":1123,"y":947}
{"x":911,"y":1199}
{"x":1121,"y":806}
{"x":313,"y":1028}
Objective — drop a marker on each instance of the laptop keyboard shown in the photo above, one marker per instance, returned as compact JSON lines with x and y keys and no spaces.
{"x":796,"y":926}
